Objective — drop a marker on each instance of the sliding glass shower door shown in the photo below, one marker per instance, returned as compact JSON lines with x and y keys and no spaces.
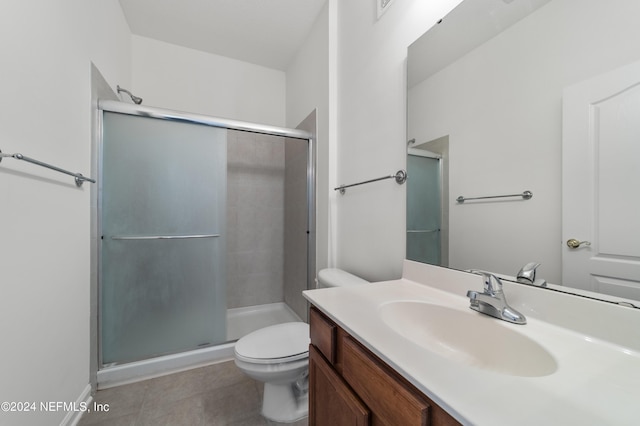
{"x":162,"y":271}
{"x":424,"y":211}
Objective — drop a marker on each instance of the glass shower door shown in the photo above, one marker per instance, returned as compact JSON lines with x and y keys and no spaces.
{"x":423,"y":209}
{"x":162,"y":272}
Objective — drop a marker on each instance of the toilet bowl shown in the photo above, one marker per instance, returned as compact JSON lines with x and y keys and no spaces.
{"x":278,"y":355}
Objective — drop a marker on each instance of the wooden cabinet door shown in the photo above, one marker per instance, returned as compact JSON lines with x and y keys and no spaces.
{"x":391,"y":402}
{"x":331,"y":401}
{"x":323,"y":334}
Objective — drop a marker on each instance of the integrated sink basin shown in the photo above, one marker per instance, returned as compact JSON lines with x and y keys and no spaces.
{"x":469,"y":338}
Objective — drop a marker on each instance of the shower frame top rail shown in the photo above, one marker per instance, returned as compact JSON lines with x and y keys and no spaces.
{"x":166,"y":114}
{"x":527,"y":195}
{"x":79,"y":178}
{"x":400,"y":176}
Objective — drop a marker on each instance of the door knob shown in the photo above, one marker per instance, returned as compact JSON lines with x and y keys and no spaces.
{"x":574,"y":244}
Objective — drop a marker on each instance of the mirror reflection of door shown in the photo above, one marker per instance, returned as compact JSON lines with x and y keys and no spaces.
{"x":601,"y":206}
{"x":424,"y":197}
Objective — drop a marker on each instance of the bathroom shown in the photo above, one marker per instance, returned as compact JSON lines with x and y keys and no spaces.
{"x":351,"y":69}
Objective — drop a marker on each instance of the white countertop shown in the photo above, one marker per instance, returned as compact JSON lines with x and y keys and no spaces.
{"x":596,"y":382}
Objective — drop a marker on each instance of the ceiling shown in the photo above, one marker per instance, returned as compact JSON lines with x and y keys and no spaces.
{"x":262,"y":32}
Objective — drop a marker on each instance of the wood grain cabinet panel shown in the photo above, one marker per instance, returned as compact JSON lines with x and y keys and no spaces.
{"x":331,"y":401}
{"x":391,"y":401}
{"x":323,"y":334}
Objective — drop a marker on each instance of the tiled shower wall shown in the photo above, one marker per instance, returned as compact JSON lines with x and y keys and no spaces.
{"x":266,"y":221}
{"x":295,"y":233}
{"x":255,"y":219}
{"x":296,"y":262}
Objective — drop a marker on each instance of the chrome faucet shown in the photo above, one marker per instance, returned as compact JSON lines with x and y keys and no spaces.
{"x":527,"y":275}
{"x":492,"y":301}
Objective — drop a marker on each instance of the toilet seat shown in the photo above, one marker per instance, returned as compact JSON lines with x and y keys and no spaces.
{"x":275,"y":344}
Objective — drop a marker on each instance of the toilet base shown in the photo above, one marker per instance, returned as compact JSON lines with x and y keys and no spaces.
{"x":285,"y":403}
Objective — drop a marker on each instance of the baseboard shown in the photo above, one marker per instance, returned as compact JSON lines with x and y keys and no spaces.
{"x":84,"y":400}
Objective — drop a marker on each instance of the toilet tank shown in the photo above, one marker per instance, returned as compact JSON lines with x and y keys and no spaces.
{"x":333,"y":277}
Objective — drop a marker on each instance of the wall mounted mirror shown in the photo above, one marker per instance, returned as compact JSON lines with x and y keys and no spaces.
{"x":508,"y":96}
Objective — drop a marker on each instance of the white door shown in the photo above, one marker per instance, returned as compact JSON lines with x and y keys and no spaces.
{"x":601,"y":183}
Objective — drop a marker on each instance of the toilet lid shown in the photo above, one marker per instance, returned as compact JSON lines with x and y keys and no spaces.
{"x":286,"y":342}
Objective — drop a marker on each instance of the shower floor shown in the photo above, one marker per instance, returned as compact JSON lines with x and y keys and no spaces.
{"x":242,"y":321}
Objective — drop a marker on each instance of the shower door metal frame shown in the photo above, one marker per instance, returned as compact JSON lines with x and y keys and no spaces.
{"x":165,"y":114}
{"x":444,"y":213}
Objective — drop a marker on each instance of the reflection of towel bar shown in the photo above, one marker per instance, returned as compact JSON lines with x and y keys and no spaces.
{"x":78,"y":176}
{"x":400,"y":177}
{"x":525,"y":195}
{"x":163,"y":237}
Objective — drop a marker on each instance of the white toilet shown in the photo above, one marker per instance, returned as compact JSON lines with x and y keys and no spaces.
{"x":278,"y":355}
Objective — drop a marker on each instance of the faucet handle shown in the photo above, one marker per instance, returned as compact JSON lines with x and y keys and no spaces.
{"x":528,"y":272}
{"x":527,"y":275}
{"x":492,"y":284}
{"x":492,"y":301}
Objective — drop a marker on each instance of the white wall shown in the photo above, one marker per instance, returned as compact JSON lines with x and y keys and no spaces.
{"x":308,"y":89}
{"x":371,"y":129}
{"x":178,"y":78}
{"x":45,"y":113}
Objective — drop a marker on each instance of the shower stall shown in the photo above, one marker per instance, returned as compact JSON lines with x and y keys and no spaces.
{"x":423,"y":209}
{"x":205,"y":233}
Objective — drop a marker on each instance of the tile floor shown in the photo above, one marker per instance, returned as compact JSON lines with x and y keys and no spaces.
{"x":217,"y":394}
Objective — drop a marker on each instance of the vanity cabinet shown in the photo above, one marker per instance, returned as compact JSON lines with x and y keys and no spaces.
{"x":349,"y":385}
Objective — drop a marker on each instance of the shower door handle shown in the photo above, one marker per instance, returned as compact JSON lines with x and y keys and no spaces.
{"x":163,"y":237}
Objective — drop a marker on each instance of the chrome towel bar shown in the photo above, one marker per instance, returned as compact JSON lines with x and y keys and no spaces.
{"x":525,"y":195}
{"x":163,"y":237}
{"x":77,"y":176}
{"x":400,"y":177}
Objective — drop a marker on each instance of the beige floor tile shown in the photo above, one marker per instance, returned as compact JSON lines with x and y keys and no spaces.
{"x":126,"y":420}
{"x":185,"y":412}
{"x":165,"y":390}
{"x":303,"y":422}
{"x":116,"y":402}
{"x":231,"y":404}
{"x":256,"y":420}
{"x":218,"y":394}
{"x":221,"y":375}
